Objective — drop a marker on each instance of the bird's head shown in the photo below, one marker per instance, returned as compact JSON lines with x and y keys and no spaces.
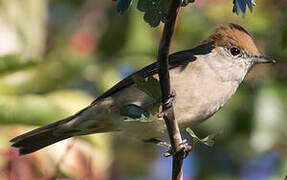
{"x":234,"y":50}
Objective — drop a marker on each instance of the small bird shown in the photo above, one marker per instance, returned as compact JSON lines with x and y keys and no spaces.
{"x":204,"y":79}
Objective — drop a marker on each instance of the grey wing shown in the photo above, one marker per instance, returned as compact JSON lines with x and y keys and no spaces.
{"x":179,"y":59}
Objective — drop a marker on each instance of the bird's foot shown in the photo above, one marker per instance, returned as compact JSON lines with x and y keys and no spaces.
{"x":185,"y":147}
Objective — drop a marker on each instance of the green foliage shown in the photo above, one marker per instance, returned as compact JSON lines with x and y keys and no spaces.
{"x":27,"y":19}
{"x":133,"y":112}
{"x":208,"y":140}
{"x":29,"y":110}
{"x":155,"y":11}
{"x":150,"y":86}
{"x":257,"y":111}
{"x":13,"y":63}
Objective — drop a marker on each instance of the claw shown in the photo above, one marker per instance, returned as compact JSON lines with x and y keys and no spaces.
{"x":185,"y":147}
{"x":164,"y":144}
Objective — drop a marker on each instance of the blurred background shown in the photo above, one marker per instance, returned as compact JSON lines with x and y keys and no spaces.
{"x":57,"y":56}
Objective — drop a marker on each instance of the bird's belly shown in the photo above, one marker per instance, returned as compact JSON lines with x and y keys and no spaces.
{"x":200,"y":95}
{"x":199,"y":104}
{"x":192,"y":115}
{"x":191,"y":108}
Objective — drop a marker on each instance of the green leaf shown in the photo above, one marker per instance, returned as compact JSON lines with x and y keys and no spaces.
{"x":155,"y":11}
{"x":186,"y":2}
{"x":150,"y":86}
{"x":134,"y":112}
{"x":208,"y":140}
{"x":123,"y":5}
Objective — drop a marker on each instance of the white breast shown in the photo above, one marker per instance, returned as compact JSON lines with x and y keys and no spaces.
{"x":200,"y":92}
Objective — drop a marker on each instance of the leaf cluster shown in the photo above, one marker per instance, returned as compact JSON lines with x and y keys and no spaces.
{"x":150,"y":86}
{"x":133,"y":112}
{"x":208,"y":140}
{"x":155,"y":11}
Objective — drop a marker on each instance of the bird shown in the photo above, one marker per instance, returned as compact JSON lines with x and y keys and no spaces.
{"x":204,"y":79}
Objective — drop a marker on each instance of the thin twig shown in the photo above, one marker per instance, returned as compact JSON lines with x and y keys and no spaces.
{"x":171,"y":123}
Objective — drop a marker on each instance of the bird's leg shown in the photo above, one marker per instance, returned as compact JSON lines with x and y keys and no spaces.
{"x":184,"y":146}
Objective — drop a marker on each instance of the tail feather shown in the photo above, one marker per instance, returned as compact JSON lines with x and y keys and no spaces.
{"x":40,"y":137}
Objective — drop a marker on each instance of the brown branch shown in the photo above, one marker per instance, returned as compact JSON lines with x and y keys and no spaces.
{"x":171,"y":123}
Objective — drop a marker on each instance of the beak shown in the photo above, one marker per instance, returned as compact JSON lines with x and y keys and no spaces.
{"x":263,"y":60}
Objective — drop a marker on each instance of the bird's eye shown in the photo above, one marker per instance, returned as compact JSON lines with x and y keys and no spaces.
{"x":234,"y":51}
